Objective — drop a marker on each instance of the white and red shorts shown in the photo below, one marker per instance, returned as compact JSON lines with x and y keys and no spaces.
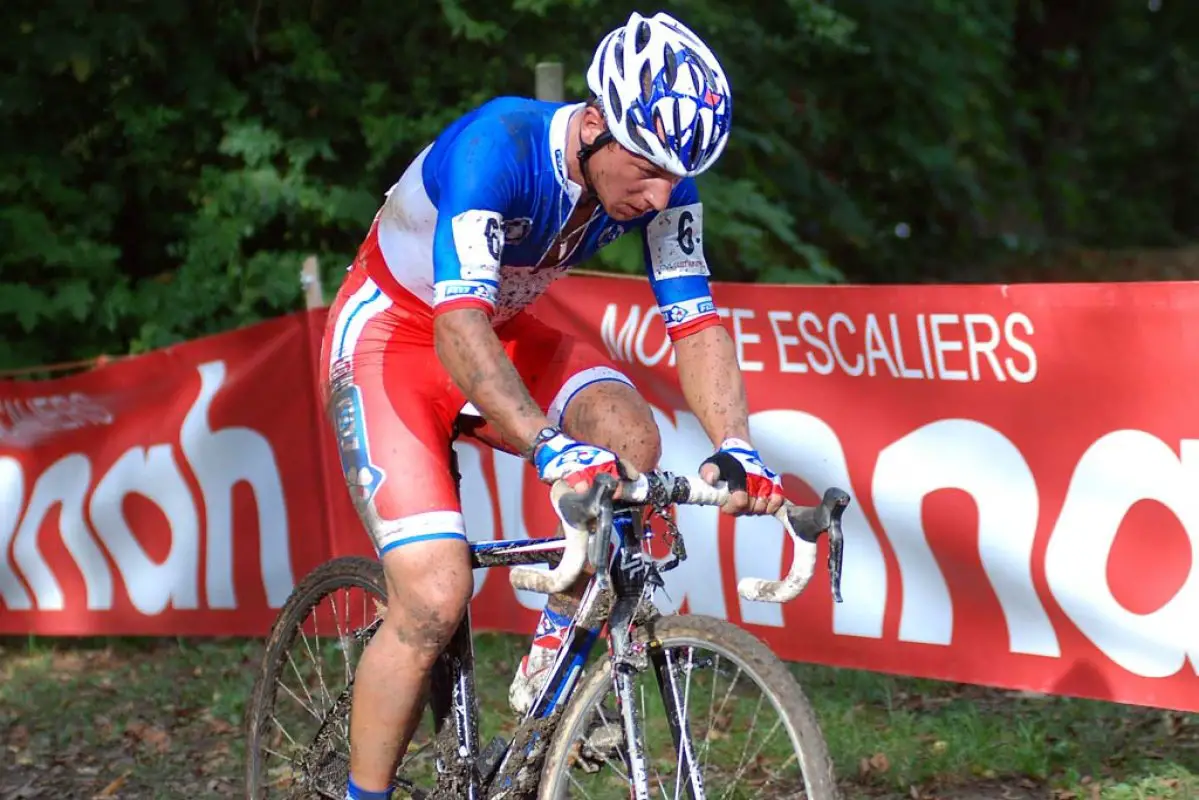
{"x":394,"y":407}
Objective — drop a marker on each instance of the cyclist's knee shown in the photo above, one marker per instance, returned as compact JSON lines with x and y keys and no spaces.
{"x":429,"y":586}
{"x":614,"y":415}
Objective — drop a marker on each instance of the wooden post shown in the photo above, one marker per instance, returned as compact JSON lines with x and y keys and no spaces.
{"x":310,"y":280}
{"x":549,"y":81}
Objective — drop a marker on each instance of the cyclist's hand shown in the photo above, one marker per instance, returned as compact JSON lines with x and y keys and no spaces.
{"x":577,"y":463}
{"x":756,"y":489}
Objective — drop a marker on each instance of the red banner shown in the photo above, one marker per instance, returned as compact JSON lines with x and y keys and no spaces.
{"x":1021,"y":458}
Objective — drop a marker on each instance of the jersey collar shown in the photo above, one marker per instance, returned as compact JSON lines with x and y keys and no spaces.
{"x":559,"y":124}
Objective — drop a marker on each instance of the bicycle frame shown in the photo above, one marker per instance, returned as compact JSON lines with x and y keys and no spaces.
{"x":610,"y":600}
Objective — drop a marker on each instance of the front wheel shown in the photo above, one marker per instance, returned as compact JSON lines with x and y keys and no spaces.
{"x":728,"y":681}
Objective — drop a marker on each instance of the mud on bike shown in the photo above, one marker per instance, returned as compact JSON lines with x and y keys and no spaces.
{"x":588,"y":732}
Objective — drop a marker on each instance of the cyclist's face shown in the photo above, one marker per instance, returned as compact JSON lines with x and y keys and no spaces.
{"x":627,"y":184}
{"x":633,"y":185}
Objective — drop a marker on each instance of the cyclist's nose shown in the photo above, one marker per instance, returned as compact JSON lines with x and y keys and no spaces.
{"x":658,"y":194}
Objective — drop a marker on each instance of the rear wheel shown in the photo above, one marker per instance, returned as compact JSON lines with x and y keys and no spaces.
{"x":728,"y":681}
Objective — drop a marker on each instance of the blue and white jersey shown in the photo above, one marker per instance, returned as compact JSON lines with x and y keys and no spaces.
{"x":476,"y":219}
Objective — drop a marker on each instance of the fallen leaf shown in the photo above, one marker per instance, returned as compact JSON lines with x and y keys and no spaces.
{"x":111,"y":788}
{"x":150,"y":735}
{"x":217,"y":725}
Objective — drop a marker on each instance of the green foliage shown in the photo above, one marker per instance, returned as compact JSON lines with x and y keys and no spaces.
{"x":165,"y":167}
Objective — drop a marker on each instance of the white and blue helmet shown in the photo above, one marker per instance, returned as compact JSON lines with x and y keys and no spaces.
{"x":654,"y":71}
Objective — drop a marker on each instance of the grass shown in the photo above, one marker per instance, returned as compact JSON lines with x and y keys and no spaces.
{"x":160,"y":718}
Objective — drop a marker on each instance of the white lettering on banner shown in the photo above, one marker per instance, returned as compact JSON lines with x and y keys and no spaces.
{"x":12,"y":491}
{"x":804,"y":323}
{"x":22,"y":420}
{"x":742,"y":338}
{"x":844,"y":319}
{"x":64,"y":484}
{"x":629,"y":344}
{"x":857,"y":347}
{"x":977,"y":459}
{"x":153,"y":474}
{"x":219,"y":459}
{"x":783,"y":341}
{"x":1119,"y":470}
{"x":1116,"y":472}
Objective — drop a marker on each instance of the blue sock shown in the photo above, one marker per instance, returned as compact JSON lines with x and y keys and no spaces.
{"x":356,"y":792}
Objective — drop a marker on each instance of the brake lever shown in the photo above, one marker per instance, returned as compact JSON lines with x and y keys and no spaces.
{"x":810,"y":522}
{"x":836,"y":544}
{"x":579,"y":510}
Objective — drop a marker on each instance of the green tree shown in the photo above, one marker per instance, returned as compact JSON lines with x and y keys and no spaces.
{"x":165,"y":167}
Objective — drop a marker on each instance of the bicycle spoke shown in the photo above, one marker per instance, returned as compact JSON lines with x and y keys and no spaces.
{"x":283,"y":730}
{"x":316,"y":662}
{"x":296,"y":697}
{"x":711,"y":708}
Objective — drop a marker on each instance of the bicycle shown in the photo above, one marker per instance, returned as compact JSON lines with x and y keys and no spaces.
{"x":543,"y":757}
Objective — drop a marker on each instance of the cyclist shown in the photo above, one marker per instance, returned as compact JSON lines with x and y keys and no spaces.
{"x":431,"y":320}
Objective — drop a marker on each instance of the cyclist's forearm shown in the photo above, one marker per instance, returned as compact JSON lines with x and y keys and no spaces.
{"x":467,"y":346}
{"x":711,"y":380}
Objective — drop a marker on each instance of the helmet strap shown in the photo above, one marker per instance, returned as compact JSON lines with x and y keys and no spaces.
{"x":585,"y":153}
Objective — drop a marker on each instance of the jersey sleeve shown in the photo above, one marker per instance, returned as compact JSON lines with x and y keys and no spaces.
{"x":476,"y":184}
{"x":674,"y":261}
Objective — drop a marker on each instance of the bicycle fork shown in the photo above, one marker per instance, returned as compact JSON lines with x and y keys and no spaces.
{"x":634,"y":579}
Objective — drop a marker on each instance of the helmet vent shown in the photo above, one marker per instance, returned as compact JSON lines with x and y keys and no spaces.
{"x":672,"y":64}
{"x":643,"y":35}
{"x":697,"y":138}
{"x":614,"y":101}
{"x":635,"y":134}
